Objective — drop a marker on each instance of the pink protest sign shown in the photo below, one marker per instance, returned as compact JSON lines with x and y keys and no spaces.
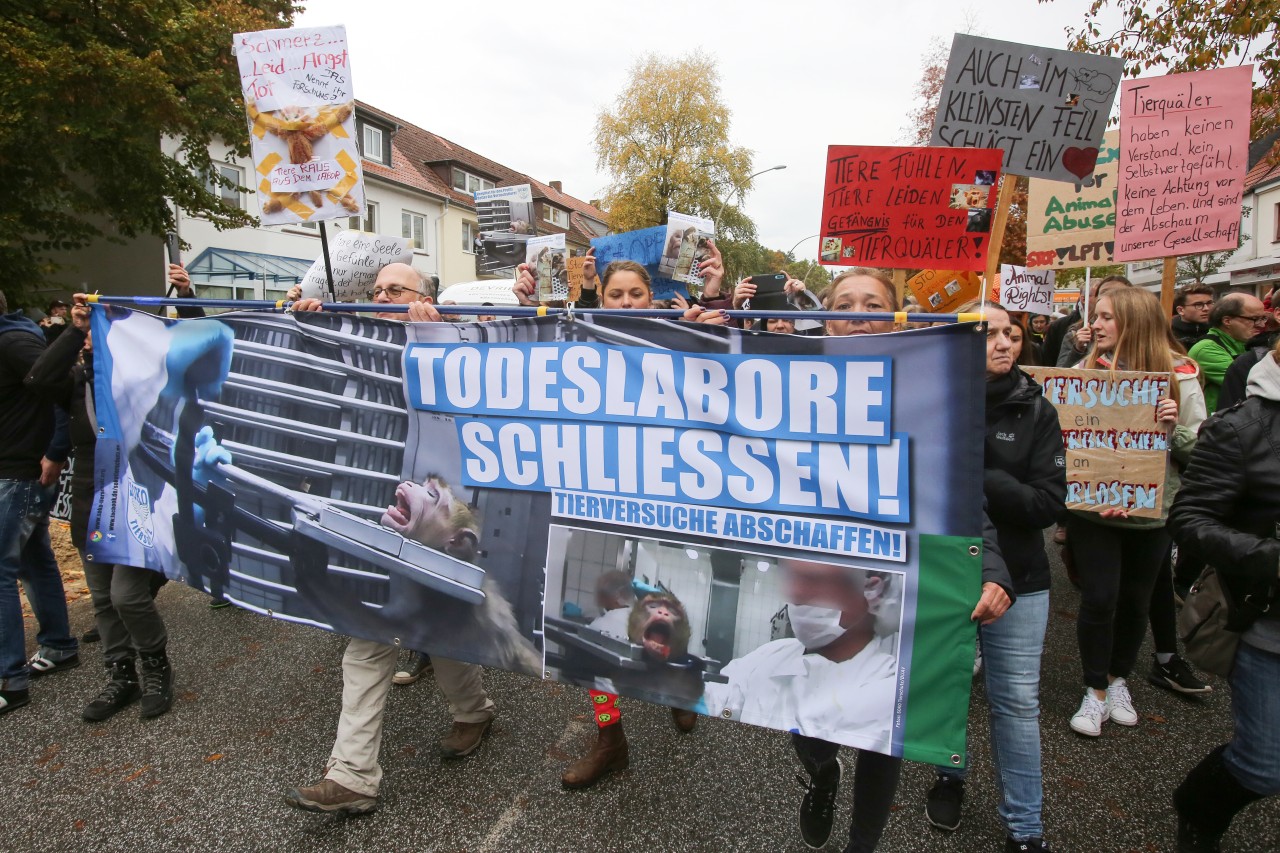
{"x":1184,"y":142}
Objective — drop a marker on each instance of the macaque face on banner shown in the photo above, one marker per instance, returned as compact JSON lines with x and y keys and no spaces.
{"x":626,"y":289}
{"x":422,"y":511}
{"x":859,"y":293}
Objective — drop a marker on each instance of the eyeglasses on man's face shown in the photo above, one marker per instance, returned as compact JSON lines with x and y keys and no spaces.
{"x":392,"y":292}
{"x":1257,"y":320}
{"x":1200,"y":306}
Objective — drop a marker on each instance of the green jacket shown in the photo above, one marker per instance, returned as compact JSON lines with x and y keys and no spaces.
{"x":1214,"y":354}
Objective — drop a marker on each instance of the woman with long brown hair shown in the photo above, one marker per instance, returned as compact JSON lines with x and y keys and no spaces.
{"x":1118,"y":557}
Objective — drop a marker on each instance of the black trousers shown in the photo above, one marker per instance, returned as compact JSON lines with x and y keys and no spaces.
{"x":875,"y":783}
{"x":1117,"y":568}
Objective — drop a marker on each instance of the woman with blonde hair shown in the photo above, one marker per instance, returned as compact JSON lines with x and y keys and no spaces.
{"x":1118,"y":557}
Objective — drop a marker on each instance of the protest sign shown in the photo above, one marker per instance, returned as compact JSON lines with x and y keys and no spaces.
{"x":356,"y":258}
{"x":687,"y":244}
{"x":908,"y":207}
{"x":1045,"y":108}
{"x":1184,"y":152}
{"x":943,"y":291}
{"x":575,"y":268}
{"x":60,"y":509}
{"x":433,"y":483}
{"x":644,"y":247}
{"x":1073,"y":225}
{"x":545,"y":257}
{"x":1027,"y":290}
{"x":1116,"y":452}
{"x":506,"y":218}
{"x":301,"y":112}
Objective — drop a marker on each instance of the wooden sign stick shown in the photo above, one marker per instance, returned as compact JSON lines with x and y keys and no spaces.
{"x":1168,"y":278}
{"x":1003,"y":203}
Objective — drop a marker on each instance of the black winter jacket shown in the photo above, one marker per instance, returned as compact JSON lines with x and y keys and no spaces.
{"x":28,"y":428}
{"x":1232,"y":390}
{"x":1188,"y":334}
{"x":1229,"y":504}
{"x":1024,"y":475}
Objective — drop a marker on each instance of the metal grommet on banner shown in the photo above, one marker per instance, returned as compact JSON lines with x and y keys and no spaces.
{"x":271,"y":613}
{"x":727,"y":714}
{"x":546,"y":674}
{"x":102,"y":430}
{"x":955,"y":759}
{"x":396,"y":641}
{"x":974,"y":550}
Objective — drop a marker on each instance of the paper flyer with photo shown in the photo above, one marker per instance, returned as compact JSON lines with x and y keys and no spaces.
{"x":506,"y":218}
{"x":685,"y":247}
{"x":546,"y":259}
{"x":300,"y":107}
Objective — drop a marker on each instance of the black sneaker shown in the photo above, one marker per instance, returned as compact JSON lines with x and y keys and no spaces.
{"x":93,"y":635}
{"x":121,"y":691}
{"x":1031,"y":845}
{"x":818,"y":809}
{"x":943,"y":806}
{"x":1176,"y":675}
{"x":157,"y":685}
{"x":1193,"y":839}
{"x":11,"y":700}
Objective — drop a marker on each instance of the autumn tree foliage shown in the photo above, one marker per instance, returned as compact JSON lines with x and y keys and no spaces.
{"x":666,"y":146}
{"x":87,"y":89}
{"x":1159,"y":36}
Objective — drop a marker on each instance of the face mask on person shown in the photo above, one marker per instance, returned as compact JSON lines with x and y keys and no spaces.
{"x":815,"y":627}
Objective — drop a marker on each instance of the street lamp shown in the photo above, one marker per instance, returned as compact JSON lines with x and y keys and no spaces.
{"x":738,"y":187}
{"x":801,"y":240}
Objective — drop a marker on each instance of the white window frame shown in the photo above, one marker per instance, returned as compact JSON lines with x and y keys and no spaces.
{"x":470,"y":230}
{"x":358,"y":223}
{"x":465,"y":182}
{"x":410,"y":216}
{"x":234,"y":174}
{"x":367,"y":150}
{"x":554,"y":215}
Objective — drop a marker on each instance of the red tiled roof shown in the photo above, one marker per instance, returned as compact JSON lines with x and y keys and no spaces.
{"x":1264,"y":171}
{"x":413,"y":149}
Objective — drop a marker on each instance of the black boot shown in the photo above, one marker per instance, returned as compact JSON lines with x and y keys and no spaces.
{"x":157,"y":685}
{"x":121,"y":690}
{"x":1206,"y":801}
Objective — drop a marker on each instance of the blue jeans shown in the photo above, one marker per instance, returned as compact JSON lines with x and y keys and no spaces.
{"x":1253,"y":756}
{"x":25,"y":555}
{"x":1011,"y":650}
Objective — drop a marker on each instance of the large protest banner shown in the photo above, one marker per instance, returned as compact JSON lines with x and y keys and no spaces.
{"x":1184,"y":152}
{"x":1045,"y":108}
{"x":356,"y":258}
{"x":1074,"y":225}
{"x":426,"y":483}
{"x":301,"y":111}
{"x":907,"y":208}
{"x":1116,"y":451}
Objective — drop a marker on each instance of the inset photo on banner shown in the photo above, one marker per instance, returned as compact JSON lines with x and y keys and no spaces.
{"x":795,"y":644}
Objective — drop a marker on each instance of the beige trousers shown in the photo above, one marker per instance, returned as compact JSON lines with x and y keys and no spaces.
{"x":367,"y":669}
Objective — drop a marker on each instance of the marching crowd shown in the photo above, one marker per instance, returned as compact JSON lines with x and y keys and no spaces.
{"x":1221,"y":509}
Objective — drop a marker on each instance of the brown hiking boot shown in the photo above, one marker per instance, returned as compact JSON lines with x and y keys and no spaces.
{"x":330,"y":798}
{"x":607,"y":755}
{"x":464,"y":738}
{"x":684,"y":720}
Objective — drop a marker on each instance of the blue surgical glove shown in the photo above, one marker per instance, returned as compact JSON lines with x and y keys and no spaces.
{"x":198,"y":360}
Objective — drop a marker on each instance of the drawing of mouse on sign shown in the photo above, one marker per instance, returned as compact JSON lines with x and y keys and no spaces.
{"x":1079,"y":161}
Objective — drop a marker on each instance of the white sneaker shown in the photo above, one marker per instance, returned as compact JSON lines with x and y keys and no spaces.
{"x":1092,"y":714}
{"x":977,"y":660}
{"x":1120,"y":705}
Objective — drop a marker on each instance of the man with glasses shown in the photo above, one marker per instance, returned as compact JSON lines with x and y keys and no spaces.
{"x":399,"y":284}
{"x":1234,"y":320}
{"x":1191,"y":307}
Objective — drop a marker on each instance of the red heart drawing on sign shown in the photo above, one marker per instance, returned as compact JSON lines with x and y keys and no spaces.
{"x":1080,"y":161}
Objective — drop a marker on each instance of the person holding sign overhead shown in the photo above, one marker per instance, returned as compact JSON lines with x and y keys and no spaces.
{"x":1118,"y":557}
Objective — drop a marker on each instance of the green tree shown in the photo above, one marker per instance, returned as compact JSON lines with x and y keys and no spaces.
{"x":87,"y":90}
{"x":666,"y":146}
{"x":1191,"y":35}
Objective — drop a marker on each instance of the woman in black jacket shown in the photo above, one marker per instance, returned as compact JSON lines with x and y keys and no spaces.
{"x":1025,"y":486}
{"x":1229,"y":507}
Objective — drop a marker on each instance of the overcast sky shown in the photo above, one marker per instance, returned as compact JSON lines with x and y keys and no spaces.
{"x":522,"y":83}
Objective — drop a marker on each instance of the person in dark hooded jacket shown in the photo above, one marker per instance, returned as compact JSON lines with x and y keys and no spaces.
{"x":1025,"y":486}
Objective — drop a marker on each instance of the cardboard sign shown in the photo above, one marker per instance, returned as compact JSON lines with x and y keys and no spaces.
{"x":943,"y":291}
{"x":1184,"y":151}
{"x":908,"y":207}
{"x":301,"y":113}
{"x":1073,"y":225}
{"x":356,"y":258}
{"x":1045,"y":108}
{"x":574,"y":268}
{"x":545,"y":257}
{"x":1116,"y":451}
{"x":1026,"y":290}
{"x":506,"y":218}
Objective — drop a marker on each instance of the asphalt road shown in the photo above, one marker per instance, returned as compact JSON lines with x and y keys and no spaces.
{"x":259,"y":700}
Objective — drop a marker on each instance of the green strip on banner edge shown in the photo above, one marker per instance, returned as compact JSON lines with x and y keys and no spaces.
{"x":942,"y":650}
